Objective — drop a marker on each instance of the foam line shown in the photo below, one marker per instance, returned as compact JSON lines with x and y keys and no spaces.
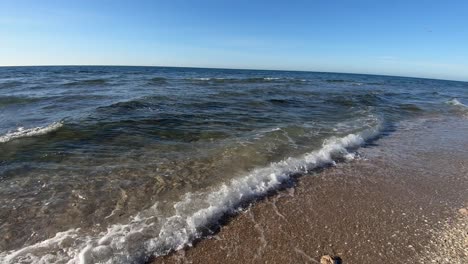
{"x":151,"y":233}
{"x":456,"y":102}
{"x":30,"y":132}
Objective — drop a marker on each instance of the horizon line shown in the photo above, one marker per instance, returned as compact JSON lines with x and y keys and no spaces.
{"x":221,"y":68}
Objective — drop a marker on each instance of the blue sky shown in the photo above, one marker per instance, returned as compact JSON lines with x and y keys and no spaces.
{"x":407,"y":38}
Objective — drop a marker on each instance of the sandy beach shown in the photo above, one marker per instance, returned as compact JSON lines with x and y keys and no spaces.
{"x":400,"y":201}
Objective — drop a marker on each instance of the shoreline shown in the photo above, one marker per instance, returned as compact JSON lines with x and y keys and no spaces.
{"x":389,"y":206}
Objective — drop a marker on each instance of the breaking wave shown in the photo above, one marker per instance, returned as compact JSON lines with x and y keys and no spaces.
{"x":30,"y":132}
{"x":150,"y":233}
{"x":458,"y":107}
{"x":456,"y":102}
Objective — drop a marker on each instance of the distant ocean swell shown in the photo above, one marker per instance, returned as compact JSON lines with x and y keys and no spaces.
{"x":152,"y":233}
{"x":370,"y":99}
{"x":218,"y":80}
{"x":88,"y":82}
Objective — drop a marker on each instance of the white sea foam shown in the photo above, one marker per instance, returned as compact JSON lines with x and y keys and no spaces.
{"x":461,"y":108}
{"x":455,"y":102}
{"x":151,"y":233}
{"x":236,"y":79}
{"x":30,"y":132}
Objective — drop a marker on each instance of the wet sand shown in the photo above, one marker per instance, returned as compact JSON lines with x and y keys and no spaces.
{"x":398,"y":203}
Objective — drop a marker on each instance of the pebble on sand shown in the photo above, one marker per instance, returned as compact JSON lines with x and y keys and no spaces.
{"x":463,"y":211}
{"x":326,"y":259}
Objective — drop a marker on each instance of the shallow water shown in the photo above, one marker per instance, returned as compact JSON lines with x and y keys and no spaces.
{"x":115,"y":164}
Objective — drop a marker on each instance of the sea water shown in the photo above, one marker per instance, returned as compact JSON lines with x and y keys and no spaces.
{"x":118,"y":164}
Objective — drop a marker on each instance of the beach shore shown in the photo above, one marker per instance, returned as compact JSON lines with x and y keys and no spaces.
{"x":400,"y":201}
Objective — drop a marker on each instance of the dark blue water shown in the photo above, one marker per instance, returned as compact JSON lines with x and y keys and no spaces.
{"x":134,"y":161}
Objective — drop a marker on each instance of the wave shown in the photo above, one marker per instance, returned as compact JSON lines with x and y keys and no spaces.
{"x":10,"y":84}
{"x":127,"y":105}
{"x":151,"y":234}
{"x":245,"y":80}
{"x":284,"y":102}
{"x":456,"y":102}
{"x":367,"y":99}
{"x":337,"y":81}
{"x":30,"y":132}
{"x":410,"y":107}
{"x":459,"y":107}
{"x":87,"y":82}
{"x":157,"y":80}
{"x":14,"y":100}
{"x":147,"y":102}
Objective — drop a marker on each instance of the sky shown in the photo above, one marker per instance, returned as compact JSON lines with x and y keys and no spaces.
{"x":405,"y":38}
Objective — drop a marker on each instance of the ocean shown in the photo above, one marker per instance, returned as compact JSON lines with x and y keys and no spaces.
{"x":106,"y":164}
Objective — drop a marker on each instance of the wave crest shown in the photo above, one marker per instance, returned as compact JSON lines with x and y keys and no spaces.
{"x":30,"y":132}
{"x":150,"y":234}
{"x":246,"y":80}
{"x":87,"y":82}
{"x":456,"y":102}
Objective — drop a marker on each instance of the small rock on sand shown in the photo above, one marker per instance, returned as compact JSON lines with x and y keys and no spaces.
{"x":326,"y":260}
{"x":463,"y":211}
